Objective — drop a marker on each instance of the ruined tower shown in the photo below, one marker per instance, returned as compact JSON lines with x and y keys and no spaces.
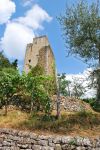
{"x":40,"y":53}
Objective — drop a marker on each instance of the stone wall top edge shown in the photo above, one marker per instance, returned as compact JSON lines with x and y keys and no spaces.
{"x":41,"y":136}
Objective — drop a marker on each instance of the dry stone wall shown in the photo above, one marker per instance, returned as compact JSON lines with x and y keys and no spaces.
{"x":70,"y":104}
{"x":18,"y":140}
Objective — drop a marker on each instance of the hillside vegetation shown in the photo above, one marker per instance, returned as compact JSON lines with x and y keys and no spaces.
{"x":70,"y":123}
{"x":26,"y":104}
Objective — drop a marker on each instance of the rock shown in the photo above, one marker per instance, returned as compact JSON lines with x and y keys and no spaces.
{"x":86,"y":142}
{"x":22,"y":146}
{"x":67,"y":140}
{"x":65,"y":147}
{"x":80,"y":148}
{"x":42,"y":137}
{"x":70,"y":104}
{"x":58,"y":147}
{"x":31,"y":141}
{"x":47,"y":148}
{"x":79,"y":141}
{"x":43,"y":142}
{"x":51,"y":144}
{"x":33,"y":136}
{"x":5,"y":143}
{"x":57,"y":140}
{"x":37,"y":147}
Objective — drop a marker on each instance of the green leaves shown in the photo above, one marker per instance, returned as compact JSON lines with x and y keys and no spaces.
{"x":63,"y":85}
{"x":38,"y":88}
{"x":81,"y":30}
{"x":5,"y":63}
{"x":9,"y":79}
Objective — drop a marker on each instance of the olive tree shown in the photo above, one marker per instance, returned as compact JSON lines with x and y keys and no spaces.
{"x":81,"y":31}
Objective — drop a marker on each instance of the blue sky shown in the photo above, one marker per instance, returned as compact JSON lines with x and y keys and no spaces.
{"x":24,"y":19}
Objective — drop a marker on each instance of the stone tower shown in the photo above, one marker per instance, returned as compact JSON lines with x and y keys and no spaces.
{"x":40,"y":53}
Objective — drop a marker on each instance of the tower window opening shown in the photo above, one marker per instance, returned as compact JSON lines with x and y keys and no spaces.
{"x":29,"y":60}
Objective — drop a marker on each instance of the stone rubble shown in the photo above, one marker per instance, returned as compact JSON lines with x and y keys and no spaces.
{"x":19,"y":140}
{"x":70,"y":104}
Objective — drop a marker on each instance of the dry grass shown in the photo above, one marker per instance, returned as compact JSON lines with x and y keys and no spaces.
{"x":83,"y":123}
{"x":13,"y":118}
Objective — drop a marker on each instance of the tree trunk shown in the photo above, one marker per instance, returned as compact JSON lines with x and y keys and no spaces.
{"x":58,"y":100}
{"x":98,"y":82}
{"x":31,"y":110}
{"x":6,"y":108}
{"x":98,"y":89}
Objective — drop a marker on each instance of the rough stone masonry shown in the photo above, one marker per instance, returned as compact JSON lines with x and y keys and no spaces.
{"x":40,"y":53}
{"x":19,"y":140}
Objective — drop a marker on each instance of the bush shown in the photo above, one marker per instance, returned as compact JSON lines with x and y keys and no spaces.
{"x":22,"y":101}
{"x":89,"y":100}
{"x":95,"y":106}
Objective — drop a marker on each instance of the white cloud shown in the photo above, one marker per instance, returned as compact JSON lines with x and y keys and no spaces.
{"x":84,"y":79}
{"x":7,"y":8}
{"x":15,"y":38}
{"x":26,"y":3}
{"x":20,"y":31}
{"x":34,"y":18}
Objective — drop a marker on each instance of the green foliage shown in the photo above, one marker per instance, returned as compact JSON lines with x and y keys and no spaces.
{"x":89,"y":100}
{"x":4,"y":62}
{"x":15,"y":63}
{"x":67,"y":123}
{"x":93,"y":103}
{"x":8,"y":84}
{"x":38,"y":91}
{"x":77,"y":88}
{"x":31,"y":91}
{"x":81,"y":26}
{"x":63,"y":85}
{"x":37,"y":70}
{"x":38,"y":88}
{"x":95,"y":106}
{"x":84,"y":114}
{"x":81,"y":31}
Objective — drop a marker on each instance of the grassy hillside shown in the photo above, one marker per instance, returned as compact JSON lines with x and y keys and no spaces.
{"x":78,"y":123}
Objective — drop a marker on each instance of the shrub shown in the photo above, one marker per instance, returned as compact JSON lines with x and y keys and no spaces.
{"x":95,"y":106}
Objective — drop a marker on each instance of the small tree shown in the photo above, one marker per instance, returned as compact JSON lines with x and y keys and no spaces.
{"x":4,"y":62}
{"x":39,"y":88}
{"x":15,"y":64}
{"x":39,"y":95}
{"x":8,"y":81}
{"x":64,"y":85}
{"x":77,"y":88}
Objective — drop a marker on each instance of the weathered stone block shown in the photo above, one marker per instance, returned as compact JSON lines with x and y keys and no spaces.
{"x":58,"y":147}
{"x":57,"y":140}
{"x":43,"y":142}
{"x":37,"y":147}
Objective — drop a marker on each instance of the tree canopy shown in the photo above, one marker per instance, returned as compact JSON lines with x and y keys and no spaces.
{"x":81,"y":26}
{"x":81,"y":31}
{"x":5,"y":63}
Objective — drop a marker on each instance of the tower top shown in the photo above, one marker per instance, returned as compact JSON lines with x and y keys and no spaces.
{"x":41,"y":40}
